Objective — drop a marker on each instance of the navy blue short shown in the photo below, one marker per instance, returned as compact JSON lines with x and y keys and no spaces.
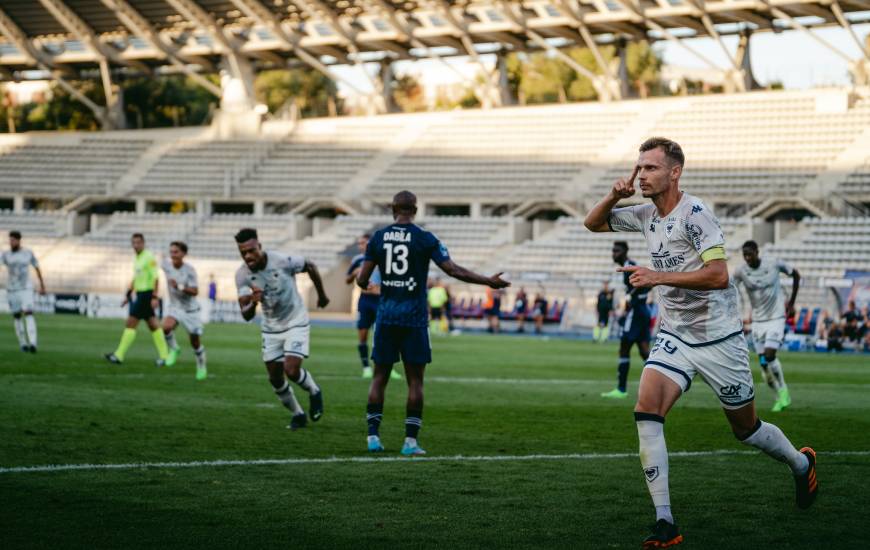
{"x":636,"y":327}
{"x":411,"y":344}
{"x":140,"y":307}
{"x":366,"y":314}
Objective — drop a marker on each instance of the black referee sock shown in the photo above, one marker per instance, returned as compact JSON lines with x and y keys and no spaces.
{"x":374,"y":415}
{"x":363,"y":354}
{"x":413,"y":422}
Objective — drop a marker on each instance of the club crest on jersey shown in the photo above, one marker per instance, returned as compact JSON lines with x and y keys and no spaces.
{"x":669,"y":228}
{"x":651,"y":473}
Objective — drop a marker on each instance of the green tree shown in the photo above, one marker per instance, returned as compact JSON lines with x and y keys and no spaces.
{"x":408,"y":94}
{"x":172,"y":100}
{"x":314,"y":93}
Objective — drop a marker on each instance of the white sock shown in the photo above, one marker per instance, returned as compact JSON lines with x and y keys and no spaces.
{"x":30,"y":327}
{"x":19,"y":331}
{"x":171,"y":342}
{"x":200,"y":357}
{"x":410,"y":441}
{"x":654,"y":460}
{"x":285,"y":395}
{"x":775,"y":369}
{"x":306,"y":381}
{"x":774,"y":443}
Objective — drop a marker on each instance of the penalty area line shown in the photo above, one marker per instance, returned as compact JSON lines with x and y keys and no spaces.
{"x":373,"y":459}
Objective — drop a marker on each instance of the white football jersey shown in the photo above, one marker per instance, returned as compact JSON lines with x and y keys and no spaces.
{"x":675,"y":243}
{"x":18,"y":263}
{"x":764,"y":289}
{"x":186,"y":276}
{"x":282,"y":306}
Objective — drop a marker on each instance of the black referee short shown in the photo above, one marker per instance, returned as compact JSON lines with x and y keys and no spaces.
{"x":140,"y":308}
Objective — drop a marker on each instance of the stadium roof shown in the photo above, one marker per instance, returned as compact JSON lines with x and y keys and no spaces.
{"x":145,"y":33}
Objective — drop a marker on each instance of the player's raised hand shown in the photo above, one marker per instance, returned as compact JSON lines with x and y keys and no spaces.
{"x":641,"y":277}
{"x":497,"y":282}
{"x":623,"y":189}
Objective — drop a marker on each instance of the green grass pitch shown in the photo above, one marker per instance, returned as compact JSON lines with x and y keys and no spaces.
{"x":485,"y":397}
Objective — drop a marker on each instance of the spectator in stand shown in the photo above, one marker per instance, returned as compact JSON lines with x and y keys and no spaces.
{"x":825,"y":324}
{"x":492,"y":309}
{"x":522,"y":307}
{"x":835,"y":337}
{"x":539,"y":311}
{"x":853,"y":321}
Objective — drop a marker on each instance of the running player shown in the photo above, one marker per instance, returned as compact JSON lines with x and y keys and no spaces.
{"x":701,"y":330}
{"x":760,"y":277}
{"x":402,"y":252}
{"x":143,"y":299}
{"x":366,"y":306}
{"x":183,"y":307}
{"x":19,"y":290}
{"x":635,"y":323}
{"x":269,"y":278}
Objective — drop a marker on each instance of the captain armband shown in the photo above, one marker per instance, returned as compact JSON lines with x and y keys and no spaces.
{"x":713,"y":253}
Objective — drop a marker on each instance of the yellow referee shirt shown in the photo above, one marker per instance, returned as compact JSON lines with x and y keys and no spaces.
{"x":144,"y":271}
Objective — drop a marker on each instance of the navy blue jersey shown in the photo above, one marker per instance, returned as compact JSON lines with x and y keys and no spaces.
{"x":402,"y":253}
{"x":637,"y":296}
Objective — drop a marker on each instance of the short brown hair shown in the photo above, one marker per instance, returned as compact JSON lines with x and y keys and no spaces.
{"x":180,"y":245}
{"x":671,"y":148}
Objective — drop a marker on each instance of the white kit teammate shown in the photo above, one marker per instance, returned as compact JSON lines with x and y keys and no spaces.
{"x":183,"y":307}
{"x":760,"y":277}
{"x":268,"y":278}
{"x":19,"y":290}
{"x":701,"y":331}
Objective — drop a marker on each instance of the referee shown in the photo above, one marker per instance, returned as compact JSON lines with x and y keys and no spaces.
{"x":143,"y":300}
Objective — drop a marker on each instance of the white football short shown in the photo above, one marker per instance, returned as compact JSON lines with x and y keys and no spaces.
{"x":293,"y":341}
{"x":190,"y":320}
{"x":20,"y":300}
{"x":768,"y":334}
{"x":722,"y":364}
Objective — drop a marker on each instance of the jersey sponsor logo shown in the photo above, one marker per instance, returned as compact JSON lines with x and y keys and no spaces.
{"x":410,"y":284}
{"x":651,"y":473}
{"x":662,"y":259}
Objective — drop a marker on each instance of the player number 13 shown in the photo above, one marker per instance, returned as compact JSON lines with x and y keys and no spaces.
{"x":397,"y":258}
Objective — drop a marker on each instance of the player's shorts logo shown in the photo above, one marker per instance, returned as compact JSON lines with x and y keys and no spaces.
{"x":731,"y":391}
{"x":296,"y":346}
{"x":651,"y":473}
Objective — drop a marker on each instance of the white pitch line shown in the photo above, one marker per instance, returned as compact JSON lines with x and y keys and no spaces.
{"x":372,"y":459}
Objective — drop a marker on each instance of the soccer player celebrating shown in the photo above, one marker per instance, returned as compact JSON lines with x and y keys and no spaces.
{"x":701,"y":330}
{"x":143,"y":300}
{"x":402,"y":252}
{"x":19,"y":290}
{"x":268,"y":278}
{"x":635,"y":323}
{"x":760,"y":277}
{"x":367,"y":305}
{"x":183,"y":307}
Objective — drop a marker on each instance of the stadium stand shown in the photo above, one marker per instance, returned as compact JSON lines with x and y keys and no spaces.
{"x":92,"y":166}
{"x":514,"y":154}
